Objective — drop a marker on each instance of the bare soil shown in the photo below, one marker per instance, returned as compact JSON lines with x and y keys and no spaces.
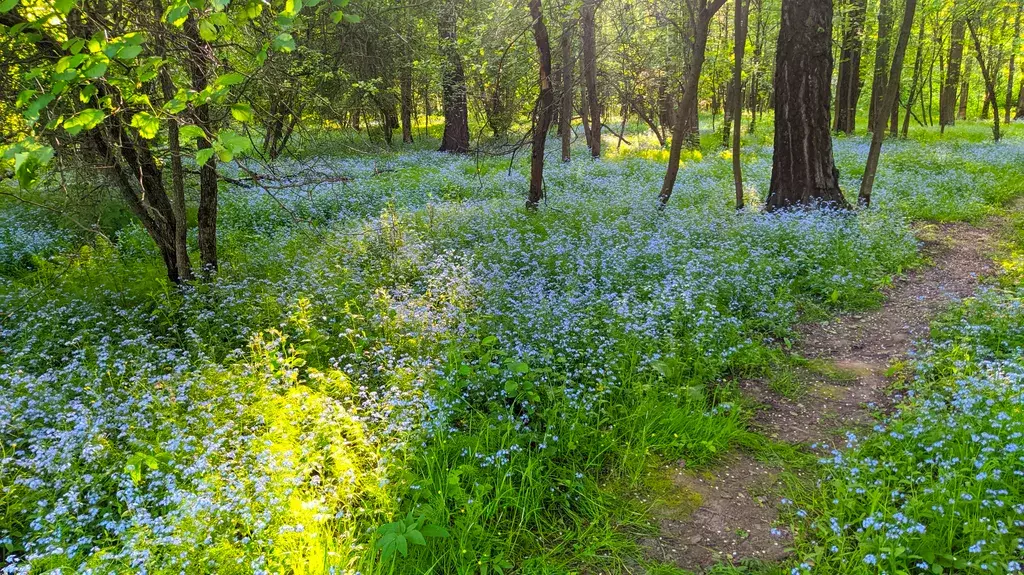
{"x":843,"y":386}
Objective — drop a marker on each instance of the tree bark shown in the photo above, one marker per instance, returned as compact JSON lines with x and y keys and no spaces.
{"x":545,"y":105}
{"x":453,"y":83}
{"x":683,"y":121}
{"x":739,"y":44}
{"x":879,"y":80}
{"x":405,"y":90}
{"x":915,"y":81}
{"x":986,"y":74}
{"x":947,"y":98}
{"x":1013,"y":58}
{"x":848,"y":86}
{"x":565,"y":118}
{"x":201,"y":59}
{"x":965,"y":90}
{"x":892,"y":90}
{"x":803,"y":169}
{"x":588,"y":13}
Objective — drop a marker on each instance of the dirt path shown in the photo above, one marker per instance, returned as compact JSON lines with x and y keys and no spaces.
{"x":731,"y":512}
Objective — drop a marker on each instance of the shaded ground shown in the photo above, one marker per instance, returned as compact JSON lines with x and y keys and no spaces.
{"x":843,"y":382}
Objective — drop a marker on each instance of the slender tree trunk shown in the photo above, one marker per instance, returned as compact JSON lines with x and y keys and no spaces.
{"x":965,"y":89}
{"x":1020,"y":103}
{"x":803,"y":169}
{"x":683,"y":121}
{"x":565,"y":118}
{"x":892,"y":90}
{"x":545,"y":105}
{"x":916,"y":79}
{"x":879,"y":80}
{"x":405,"y":89}
{"x":947,"y":98}
{"x":848,"y":87}
{"x":986,"y":74}
{"x":453,"y":83}
{"x":201,"y":59}
{"x":588,"y":14}
{"x":739,"y":43}
{"x":1013,"y":57}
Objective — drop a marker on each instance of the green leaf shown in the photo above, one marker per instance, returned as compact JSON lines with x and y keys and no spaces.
{"x":353,"y":18}
{"x":147,"y":124}
{"x":207,"y":30}
{"x":402,"y":545}
{"x":188,"y":132}
{"x":415,"y":537}
{"x":283,"y":42}
{"x":85,"y":120}
{"x":96,"y":70}
{"x":40,"y":103}
{"x":7,"y":5}
{"x":129,"y":52}
{"x":337,"y":16}
{"x":204,"y":155}
{"x":177,"y":13}
{"x":230,"y":79}
{"x":434,"y":531}
{"x":241,"y":112}
{"x":64,"y":6}
{"x":520,"y":367}
{"x":511,"y":387}
{"x":233,"y":142}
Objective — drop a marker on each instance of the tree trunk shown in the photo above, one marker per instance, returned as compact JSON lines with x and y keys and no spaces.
{"x":588,"y":13}
{"x":986,"y":74}
{"x":545,"y":105}
{"x":965,"y":89}
{"x":892,"y":90}
{"x":453,"y":83}
{"x":565,"y":118}
{"x":947,"y":98}
{"x":803,"y":169}
{"x":201,"y":59}
{"x":405,"y":89}
{"x":683,"y":121}
{"x":739,"y":44}
{"x":848,"y":86}
{"x":879,"y":80}
{"x":1020,"y":103}
{"x":916,"y":79}
{"x":1013,"y":58}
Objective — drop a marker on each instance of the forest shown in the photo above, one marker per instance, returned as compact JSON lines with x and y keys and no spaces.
{"x":511,"y":287}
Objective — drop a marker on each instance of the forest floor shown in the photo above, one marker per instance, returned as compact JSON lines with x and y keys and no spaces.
{"x":843,"y":374}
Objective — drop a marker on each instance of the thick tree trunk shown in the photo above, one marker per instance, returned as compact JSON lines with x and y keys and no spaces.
{"x":565,"y":118}
{"x":986,"y":74}
{"x":803,"y":169}
{"x":545,"y":105}
{"x":739,"y":44}
{"x":892,"y":90}
{"x":588,"y":13}
{"x":965,"y":92}
{"x":1020,"y":103}
{"x":201,"y":60}
{"x":947,"y":98}
{"x":453,"y":83}
{"x":848,"y":86}
{"x":683,"y":121}
{"x":879,"y":79}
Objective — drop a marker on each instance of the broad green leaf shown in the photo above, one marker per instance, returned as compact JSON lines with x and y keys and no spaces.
{"x":337,"y":16}
{"x":292,"y":7}
{"x":129,"y":52}
{"x":85,"y":120}
{"x":204,"y":155}
{"x":353,"y":18}
{"x":434,"y":531}
{"x":415,"y":537}
{"x":68,"y":62}
{"x":177,"y":13}
{"x":147,"y":124}
{"x":235,"y":143}
{"x":253,"y":10}
{"x":283,"y":42}
{"x":207,"y":30}
{"x":241,"y":112}
{"x":230,"y":79}
{"x":188,"y":132}
{"x":8,"y":5}
{"x":402,"y":545}
{"x":37,"y":106}
{"x":64,"y":6}
{"x":87,"y":92}
{"x":95,"y":70}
